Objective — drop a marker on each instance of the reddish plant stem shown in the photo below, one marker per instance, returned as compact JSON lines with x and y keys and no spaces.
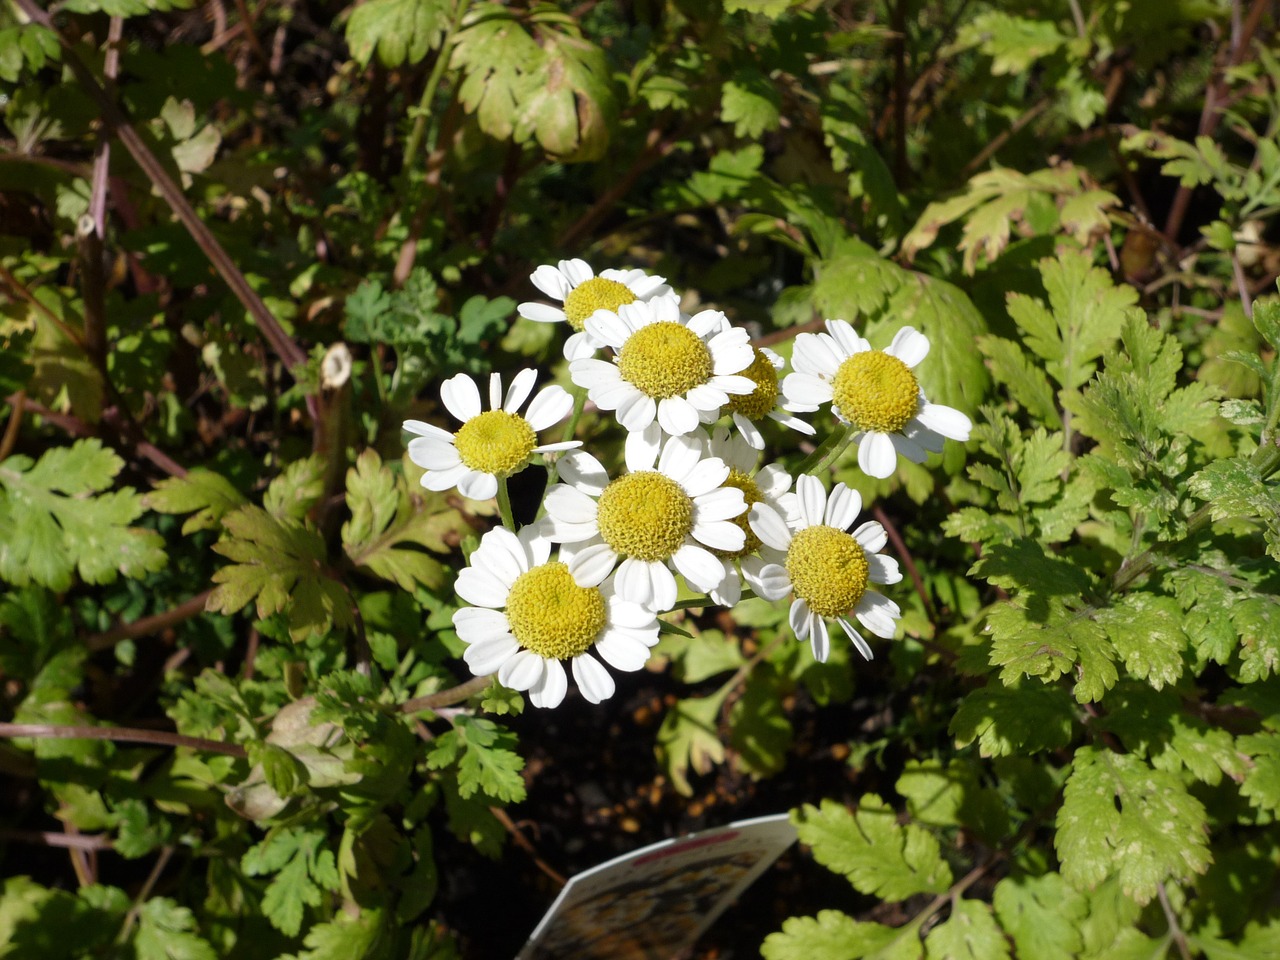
{"x":155,"y":738}
{"x":446,"y":698}
{"x":148,"y":625}
{"x":14,"y":426}
{"x":900,"y":547}
{"x":289,"y":352}
{"x":48,"y":838}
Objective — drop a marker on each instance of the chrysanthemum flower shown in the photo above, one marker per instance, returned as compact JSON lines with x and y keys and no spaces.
{"x":676,"y":369}
{"x":652,"y":520}
{"x":767,"y":486}
{"x":488,"y":445}
{"x":875,"y":391}
{"x":827,"y":568}
{"x":530,"y":614}
{"x":764,"y":401}
{"x":582,"y":293}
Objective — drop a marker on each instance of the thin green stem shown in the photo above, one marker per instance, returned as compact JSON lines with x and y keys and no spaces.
{"x":504,"y":505}
{"x":418,"y":134}
{"x":837,"y":451}
{"x":820,"y":451}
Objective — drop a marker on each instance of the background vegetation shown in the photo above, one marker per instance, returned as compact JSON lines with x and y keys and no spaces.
{"x":241,"y":242}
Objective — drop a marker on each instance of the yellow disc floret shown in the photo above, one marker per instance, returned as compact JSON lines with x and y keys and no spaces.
{"x":495,"y":442}
{"x":828,"y":570}
{"x":875,"y":391}
{"x":764,"y":397}
{"x":665,"y":360}
{"x":596,"y":294}
{"x":751,"y":494}
{"x":645,"y":515}
{"x":553,"y":616}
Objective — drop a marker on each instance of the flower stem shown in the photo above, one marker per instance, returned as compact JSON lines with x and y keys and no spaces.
{"x":819,"y":452}
{"x":504,"y":505}
{"x":416,"y":135}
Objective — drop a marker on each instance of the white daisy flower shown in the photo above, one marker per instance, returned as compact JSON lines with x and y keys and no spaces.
{"x":875,"y":391}
{"x":665,"y":366}
{"x":582,"y":293}
{"x":768,"y":487}
{"x":653,"y":520}
{"x":530,"y":613}
{"x":764,"y":401}
{"x":488,"y":445}
{"x":826,"y":568}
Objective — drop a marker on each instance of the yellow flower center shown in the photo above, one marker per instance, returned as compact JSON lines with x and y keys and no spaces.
{"x":751,"y":494}
{"x":596,"y":294}
{"x":764,"y":397}
{"x":495,"y":442}
{"x":876,"y":392}
{"x":553,"y":616}
{"x":645,"y":515}
{"x":664,"y":360}
{"x":828,"y":570}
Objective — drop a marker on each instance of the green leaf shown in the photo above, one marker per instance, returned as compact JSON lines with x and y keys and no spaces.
{"x":759,"y":730}
{"x":399,"y":31}
{"x":1262,"y":783}
{"x":281,"y":563}
{"x":1025,"y":381}
{"x":58,"y":522}
{"x":209,"y":494}
{"x":1014,"y":721}
{"x":486,"y":765}
{"x":299,"y":487}
{"x":832,"y":935}
{"x":1117,"y":817}
{"x":304,"y":869}
{"x":950,"y":795}
{"x":1234,"y":490}
{"x":970,"y":933}
{"x":766,"y":8}
{"x":1042,"y":915}
{"x":346,"y":938}
{"x":1014,"y":43}
{"x":751,"y":103}
{"x":880,"y":857}
{"x":388,"y":520}
{"x":167,"y":931}
{"x":689,"y":740}
{"x":1146,"y":631}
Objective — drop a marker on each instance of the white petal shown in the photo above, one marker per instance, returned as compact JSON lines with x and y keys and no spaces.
{"x":502,"y":554}
{"x":423,"y":429}
{"x":551,"y":282}
{"x":557,"y":447}
{"x":707,"y":398}
{"x":622,"y":652}
{"x":816,"y":355}
{"x":861,"y":644}
{"x":772,"y":582}
{"x":719,"y":534}
{"x":632,"y":582}
{"x":907,"y":447}
{"x":768,"y":525}
{"x":773,"y":480}
{"x":883,"y":570}
{"x":729,"y":591}
{"x":637,"y":411}
{"x":461,"y":397}
{"x":607,"y":327}
{"x":720,"y":504}
{"x":647,"y":287}
{"x":680,"y":455}
{"x":566,"y":504}
{"x":877,"y":456}
{"x":592,"y":679}
{"x":624,"y":613}
{"x":871,"y":536}
{"x":813,"y":500}
{"x":495,"y":391}
{"x":729,"y":359}
{"x":739,"y":386}
{"x":909,"y":345}
{"x":843,"y":507}
{"x":792,"y":423}
{"x":552,"y":404}
{"x":642,"y":448}
{"x":677,"y":416}
{"x":541,"y":312}
{"x":578,"y":271}
{"x":798,"y":617}
{"x":848,"y":341}
{"x":431,"y":453}
{"x":591,"y":565}
{"x":663,"y":584}
{"x":549,"y":691}
{"x":480,"y":588}
{"x":706,"y":322}
{"x":878,"y":614}
{"x":819,"y":640}
{"x":580,"y":346}
{"x":584,"y":472}
{"x":478,"y":486}
{"x":487,"y":656}
{"x":945,"y":420}
{"x":750,"y":432}
{"x":522,"y":671}
{"x":478,"y":625}
{"x":444,"y":479}
{"x":806,"y":389}
{"x":706,"y":476}
{"x":699,"y":567}
{"x":592,"y":373}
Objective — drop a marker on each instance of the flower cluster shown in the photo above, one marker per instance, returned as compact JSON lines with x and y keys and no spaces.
{"x":586,"y":581}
